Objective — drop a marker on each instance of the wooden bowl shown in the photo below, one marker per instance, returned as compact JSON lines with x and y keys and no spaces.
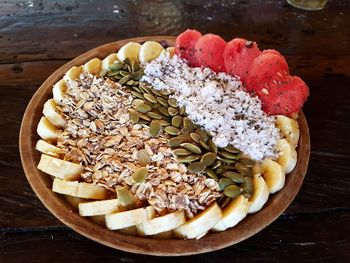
{"x":41,"y":183}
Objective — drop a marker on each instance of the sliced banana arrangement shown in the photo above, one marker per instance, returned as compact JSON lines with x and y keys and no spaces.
{"x":247,"y":185}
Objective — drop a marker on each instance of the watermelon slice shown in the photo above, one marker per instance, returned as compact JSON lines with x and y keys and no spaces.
{"x":266,"y":69}
{"x":285,"y":97}
{"x":209,"y":51}
{"x":239,"y":55}
{"x":184,"y":45}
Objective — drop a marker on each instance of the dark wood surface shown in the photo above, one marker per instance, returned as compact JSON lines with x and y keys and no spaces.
{"x":36,"y":37}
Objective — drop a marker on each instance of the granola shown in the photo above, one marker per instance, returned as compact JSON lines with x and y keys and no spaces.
{"x":100,"y":136}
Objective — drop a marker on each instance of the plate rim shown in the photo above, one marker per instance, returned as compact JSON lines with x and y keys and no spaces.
{"x":39,"y":182}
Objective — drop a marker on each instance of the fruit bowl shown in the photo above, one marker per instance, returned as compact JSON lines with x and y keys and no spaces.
{"x":41,"y":183}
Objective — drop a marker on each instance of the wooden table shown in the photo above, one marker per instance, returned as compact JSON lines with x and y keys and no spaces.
{"x":37,"y":37}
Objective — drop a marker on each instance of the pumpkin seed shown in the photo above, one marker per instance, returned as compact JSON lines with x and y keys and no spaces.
{"x":177,"y":141}
{"x":135,"y":65}
{"x":187,"y":122}
{"x":204,"y":145}
{"x":154,"y":105}
{"x":188,"y":158}
{"x":203,"y":134}
{"x":133,"y":116}
{"x":191,"y":147}
{"x":195,"y":137}
{"x":150,"y":98}
{"x":228,"y":155}
{"x":231,"y":149}
{"x":172,"y":130}
{"x":163,"y":122}
{"x":130,"y":83}
{"x":181,"y":152}
{"x":172,"y":102}
{"x":164,"y":111}
{"x":172,"y":111}
{"x":247,"y":162}
{"x":140,"y":175}
{"x":124,"y":73}
{"x":115,"y":66}
{"x":144,"y":117}
{"x":224,"y":182}
{"x":145,"y":88}
{"x":137,"y":94}
{"x":244,"y":170}
{"x":135,"y":88}
{"x":208,"y":158}
{"x":156,"y":92}
{"x":176,"y":121}
{"x":186,"y":130}
{"x":143,"y":157}
{"x":226,"y":160}
{"x":236,"y":177}
{"x":224,"y":201}
{"x":248,"y":187}
{"x":216,"y":164}
{"x":165,"y":92}
{"x":182,"y":110}
{"x":143,"y":108}
{"x":196,"y":167}
{"x":211,"y":173}
{"x":212,"y":146}
{"x":154,"y":115}
{"x":154,"y":128}
{"x":232,"y":191}
{"x":125,"y":197}
{"x":162,"y":101}
{"x":113,"y":73}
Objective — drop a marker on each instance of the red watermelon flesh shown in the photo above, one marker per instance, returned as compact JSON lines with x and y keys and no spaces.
{"x":184,"y":45}
{"x":209,"y":51}
{"x":286,"y":97}
{"x":266,"y":69}
{"x":239,"y":55}
{"x":272,"y":51}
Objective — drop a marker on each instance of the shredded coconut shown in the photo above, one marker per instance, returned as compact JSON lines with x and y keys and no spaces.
{"x":217,"y":102}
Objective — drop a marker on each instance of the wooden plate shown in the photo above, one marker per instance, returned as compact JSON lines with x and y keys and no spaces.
{"x":56,"y":204}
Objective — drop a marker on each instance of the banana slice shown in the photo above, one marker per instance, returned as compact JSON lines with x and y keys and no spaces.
{"x":273,"y":174}
{"x":110,"y":59}
{"x":125,"y":219}
{"x":131,"y":230}
{"x":60,"y":168}
{"x":200,"y":224}
{"x":161,"y":224}
{"x":59,"y":89}
{"x":260,"y":195}
{"x":48,"y":148}
{"x":46,"y":130}
{"x":170,"y":51}
{"x":233,"y":213}
{"x":130,"y":51}
{"x":74,"y":201}
{"x":100,"y":207}
{"x":83,"y":190}
{"x":51,"y":113}
{"x":73,"y":73}
{"x":93,"y":66}
{"x":289,"y":129}
{"x":149,"y":51}
{"x":287,"y":155}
